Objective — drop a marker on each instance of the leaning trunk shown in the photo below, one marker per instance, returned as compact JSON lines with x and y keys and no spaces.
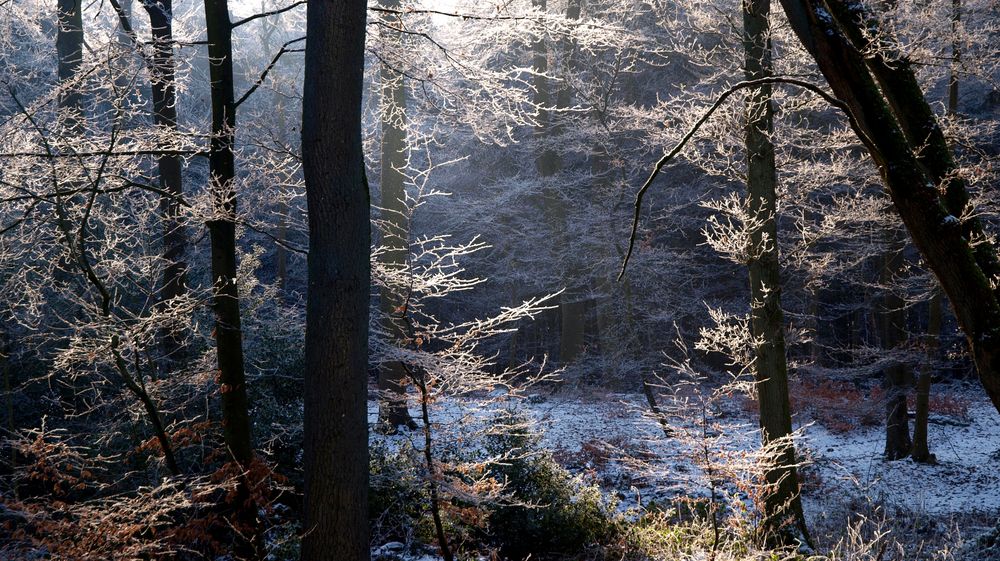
{"x":893,"y":119}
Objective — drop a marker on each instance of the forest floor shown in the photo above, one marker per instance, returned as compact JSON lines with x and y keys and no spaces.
{"x":613,"y":440}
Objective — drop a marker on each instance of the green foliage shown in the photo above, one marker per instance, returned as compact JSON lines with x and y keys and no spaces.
{"x":397,"y":499}
{"x":548,"y":512}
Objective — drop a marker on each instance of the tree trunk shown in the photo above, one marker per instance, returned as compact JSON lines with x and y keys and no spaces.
{"x":784,"y":522}
{"x":69,"y":48}
{"x":336,"y":428}
{"x":548,"y":164}
{"x":572,"y":306}
{"x":393,"y":412}
{"x":893,"y":119}
{"x":921,"y":450}
{"x":956,"y":56}
{"x":164,"y":89}
{"x":892,"y":334}
{"x":222,"y":231}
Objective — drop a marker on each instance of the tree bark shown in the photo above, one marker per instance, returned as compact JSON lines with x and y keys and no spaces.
{"x":164,"y":90}
{"x":69,"y":49}
{"x":572,"y":306}
{"x":226,"y":301}
{"x":393,"y":412}
{"x":339,"y":276}
{"x":897,"y":126}
{"x":921,"y":451}
{"x":892,"y":334}
{"x":784,"y":522}
{"x":548,"y":164}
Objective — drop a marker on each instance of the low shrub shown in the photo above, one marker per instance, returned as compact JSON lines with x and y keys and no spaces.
{"x":547,"y":511}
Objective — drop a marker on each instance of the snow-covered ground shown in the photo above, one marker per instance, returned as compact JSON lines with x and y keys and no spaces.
{"x":596,"y":433}
{"x":965,"y":479}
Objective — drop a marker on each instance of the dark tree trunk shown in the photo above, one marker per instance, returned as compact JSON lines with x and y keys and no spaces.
{"x":226,"y":302}
{"x":69,"y":48}
{"x":956,"y":56}
{"x":784,"y":522}
{"x":572,"y":305}
{"x":897,"y":421}
{"x":222,"y":229}
{"x":898,"y":127}
{"x":892,"y":335}
{"x":548,"y":163}
{"x":164,"y":89}
{"x":393,"y":412}
{"x":336,"y":427}
{"x":921,"y":451}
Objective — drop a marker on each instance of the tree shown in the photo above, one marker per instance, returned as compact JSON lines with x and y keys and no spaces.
{"x":339,"y":277}
{"x":226,"y":298}
{"x":162,"y":68}
{"x":784,"y":522}
{"x":164,"y":88}
{"x":393,"y":411}
{"x":888,"y":112}
{"x":69,"y":47}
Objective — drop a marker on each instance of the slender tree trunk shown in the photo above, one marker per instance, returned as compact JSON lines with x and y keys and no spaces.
{"x":164,"y":88}
{"x":336,"y":428}
{"x":956,"y":56}
{"x":69,"y":48}
{"x":892,"y":334}
{"x":893,"y":119}
{"x":571,"y":327}
{"x":784,"y":523}
{"x":226,"y":302}
{"x":393,"y":412}
{"x":572,"y":306}
{"x":921,"y":451}
{"x":222,"y":229}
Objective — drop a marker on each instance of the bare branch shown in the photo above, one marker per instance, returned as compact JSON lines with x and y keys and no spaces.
{"x":829,"y":98}
{"x":287,"y":8}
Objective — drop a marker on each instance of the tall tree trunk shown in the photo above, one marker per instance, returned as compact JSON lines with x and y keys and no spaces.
{"x":222,"y":231}
{"x":921,"y":451}
{"x":393,"y":412}
{"x":956,"y":56}
{"x":893,"y":119}
{"x":935,"y":314}
{"x":164,"y":89}
{"x":572,"y":306}
{"x":336,"y":428}
{"x":891,"y":320}
{"x":69,"y":48}
{"x":548,"y":164}
{"x":784,"y":523}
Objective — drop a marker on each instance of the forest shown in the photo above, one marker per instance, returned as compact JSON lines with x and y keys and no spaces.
{"x":500,"y":280}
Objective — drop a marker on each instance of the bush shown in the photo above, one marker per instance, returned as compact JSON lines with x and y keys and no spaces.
{"x":547,"y":512}
{"x":397,"y":499}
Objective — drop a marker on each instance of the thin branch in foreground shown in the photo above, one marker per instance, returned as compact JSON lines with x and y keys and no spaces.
{"x":274,"y":61}
{"x":829,"y":98}
{"x":278,"y":11}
